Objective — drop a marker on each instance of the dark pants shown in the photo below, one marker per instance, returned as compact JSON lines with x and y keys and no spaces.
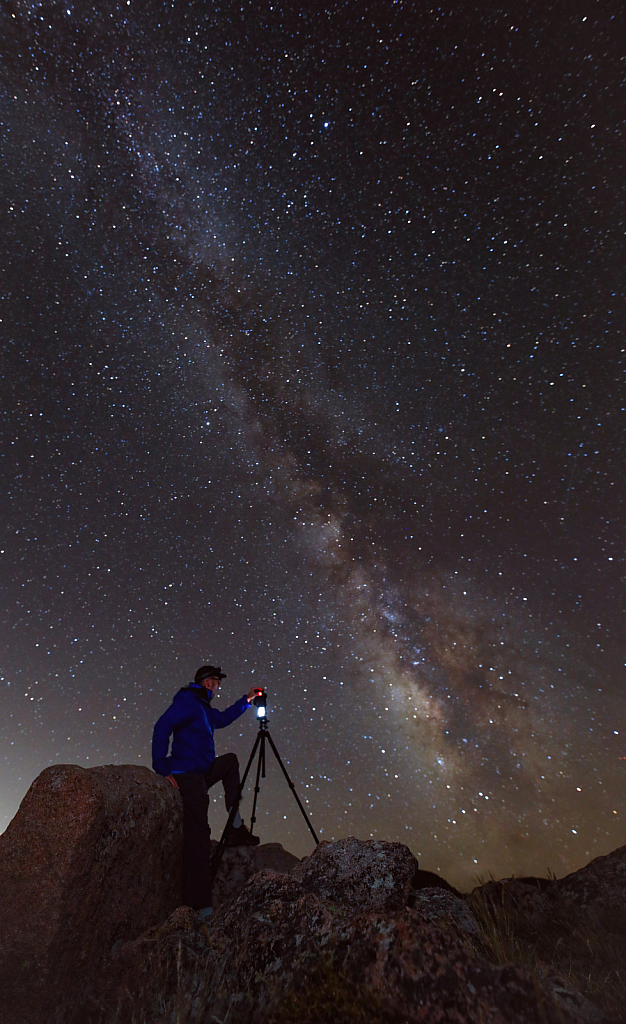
{"x":194,"y":789}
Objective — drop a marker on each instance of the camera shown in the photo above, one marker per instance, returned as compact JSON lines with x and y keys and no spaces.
{"x":260,"y":703}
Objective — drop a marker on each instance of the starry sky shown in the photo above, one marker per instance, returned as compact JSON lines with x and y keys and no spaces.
{"x":312,"y":323}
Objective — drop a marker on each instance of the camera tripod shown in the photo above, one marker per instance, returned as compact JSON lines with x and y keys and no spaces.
{"x":263,"y":737}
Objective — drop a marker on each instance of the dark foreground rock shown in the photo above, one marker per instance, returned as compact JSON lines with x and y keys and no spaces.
{"x":278,"y":946}
{"x":280,"y":951}
{"x":571,"y":930}
{"x":82,"y":868}
{"x":91,"y":930}
{"x":330,"y":943}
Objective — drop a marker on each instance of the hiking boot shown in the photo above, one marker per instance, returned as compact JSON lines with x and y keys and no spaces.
{"x":242,"y":836}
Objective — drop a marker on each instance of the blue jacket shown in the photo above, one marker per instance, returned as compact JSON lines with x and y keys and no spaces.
{"x":193,"y":721}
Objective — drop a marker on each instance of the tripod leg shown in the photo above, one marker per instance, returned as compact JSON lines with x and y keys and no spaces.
{"x":292,"y":788}
{"x":260,"y":766}
{"x":217,"y":856}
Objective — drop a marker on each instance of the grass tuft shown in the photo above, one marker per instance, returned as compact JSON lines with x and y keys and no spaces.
{"x":587,"y":949}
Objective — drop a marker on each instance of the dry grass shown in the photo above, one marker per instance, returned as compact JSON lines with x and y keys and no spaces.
{"x":587,"y":949}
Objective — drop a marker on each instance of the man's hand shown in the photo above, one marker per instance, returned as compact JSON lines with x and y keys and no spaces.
{"x":172,"y":779}
{"x":256,"y":691}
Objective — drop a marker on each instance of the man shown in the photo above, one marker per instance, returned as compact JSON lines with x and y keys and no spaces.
{"x":192,"y":768}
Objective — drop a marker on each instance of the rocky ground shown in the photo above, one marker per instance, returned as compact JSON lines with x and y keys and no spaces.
{"x":92,"y":930}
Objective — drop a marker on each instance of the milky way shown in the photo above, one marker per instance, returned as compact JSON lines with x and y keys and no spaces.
{"x":313,"y":368}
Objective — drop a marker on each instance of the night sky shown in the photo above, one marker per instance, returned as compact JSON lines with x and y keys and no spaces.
{"x":313,"y":368}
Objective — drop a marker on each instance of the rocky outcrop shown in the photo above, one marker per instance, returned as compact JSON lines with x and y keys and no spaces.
{"x":92,"y":859}
{"x":571,"y":930}
{"x":281,"y":950}
{"x":91,"y":930}
{"x":159,"y":978}
{"x":280,"y":947}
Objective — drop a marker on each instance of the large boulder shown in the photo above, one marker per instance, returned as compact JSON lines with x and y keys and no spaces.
{"x":369,"y":875}
{"x":91,"y":860}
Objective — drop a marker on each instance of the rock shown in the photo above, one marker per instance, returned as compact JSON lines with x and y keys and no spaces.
{"x":280,"y":952}
{"x":276,"y":952}
{"x":531,"y":920}
{"x":369,"y":875}
{"x":167,"y":967}
{"x":90,"y":870}
{"x":569,"y":996}
{"x":239,"y":863}
{"x":92,"y":859}
{"x":437,"y":906}
{"x":600,"y":884}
